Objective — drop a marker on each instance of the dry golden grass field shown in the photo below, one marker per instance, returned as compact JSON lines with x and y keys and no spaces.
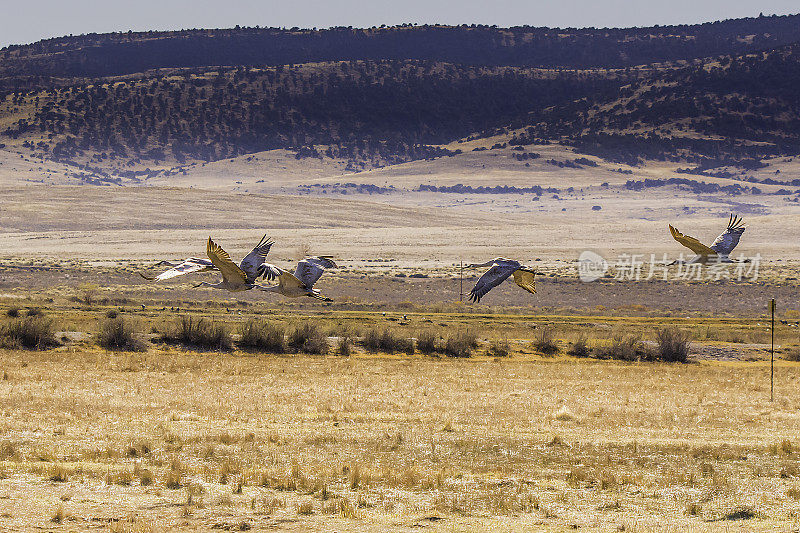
{"x":177,"y":438}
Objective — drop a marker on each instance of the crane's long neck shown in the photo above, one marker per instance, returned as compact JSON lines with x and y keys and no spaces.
{"x":269,"y":288}
{"x":220,"y":285}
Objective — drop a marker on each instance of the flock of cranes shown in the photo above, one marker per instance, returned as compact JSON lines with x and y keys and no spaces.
{"x":254,"y":267}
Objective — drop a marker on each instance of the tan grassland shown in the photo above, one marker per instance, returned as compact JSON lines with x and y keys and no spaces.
{"x":175,"y":439}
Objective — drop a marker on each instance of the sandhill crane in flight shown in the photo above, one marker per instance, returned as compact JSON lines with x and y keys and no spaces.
{"x":301,"y":283}
{"x":719,"y":249}
{"x":244,"y":276}
{"x":500,"y":271}
{"x":252,"y":267}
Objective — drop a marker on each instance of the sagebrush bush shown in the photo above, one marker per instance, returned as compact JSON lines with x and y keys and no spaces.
{"x":793,"y":355}
{"x":499,"y":348}
{"x":625,"y":348}
{"x":672,"y":344}
{"x":545,"y":341}
{"x":117,"y":334}
{"x":201,"y":333}
{"x":33,"y":332}
{"x":35,"y":311}
{"x":372,"y":340}
{"x":13,"y":312}
{"x":426,"y":342}
{"x":580,"y":348}
{"x":308,"y":338}
{"x":262,"y":336}
{"x":461,"y":343}
{"x":343,"y":347}
{"x":387,"y":341}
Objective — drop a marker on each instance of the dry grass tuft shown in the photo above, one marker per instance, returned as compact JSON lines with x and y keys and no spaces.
{"x":740,"y":512}
{"x":202,"y":334}
{"x":262,"y":336}
{"x":580,"y":348}
{"x":30,"y":332}
{"x":308,"y":338}
{"x":58,"y":473}
{"x":117,"y":334}
{"x":625,"y":348}
{"x":59,"y":515}
{"x":306,"y":507}
{"x":174,"y":478}
{"x":545,"y":341}
{"x":792,"y":355}
{"x":565,"y":415}
{"x":426,"y":342}
{"x":499,"y":348}
{"x":343,"y":346}
{"x":673,"y":344}
{"x":376,"y":340}
{"x":461,"y":343}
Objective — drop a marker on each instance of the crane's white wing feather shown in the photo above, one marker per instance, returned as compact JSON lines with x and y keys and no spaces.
{"x":193,"y":264}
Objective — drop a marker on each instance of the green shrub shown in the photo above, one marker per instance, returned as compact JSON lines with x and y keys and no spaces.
{"x":117,"y":334}
{"x":308,"y":338}
{"x":262,"y":336}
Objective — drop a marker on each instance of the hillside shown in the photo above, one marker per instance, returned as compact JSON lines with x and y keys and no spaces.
{"x":715,"y":98}
{"x":126,"y":53}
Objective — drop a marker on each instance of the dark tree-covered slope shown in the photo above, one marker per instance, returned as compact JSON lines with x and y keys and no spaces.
{"x":360,"y":110}
{"x":124,"y":53}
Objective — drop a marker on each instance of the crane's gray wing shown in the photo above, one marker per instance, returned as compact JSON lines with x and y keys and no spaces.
{"x":310,"y":269}
{"x":252,"y":264}
{"x":491,"y":279}
{"x":727,"y":241}
{"x":193,"y":264}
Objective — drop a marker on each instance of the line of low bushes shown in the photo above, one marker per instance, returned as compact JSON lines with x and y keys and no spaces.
{"x":36,"y":331}
{"x":460,"y":343}
{"x":671,"y":345}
